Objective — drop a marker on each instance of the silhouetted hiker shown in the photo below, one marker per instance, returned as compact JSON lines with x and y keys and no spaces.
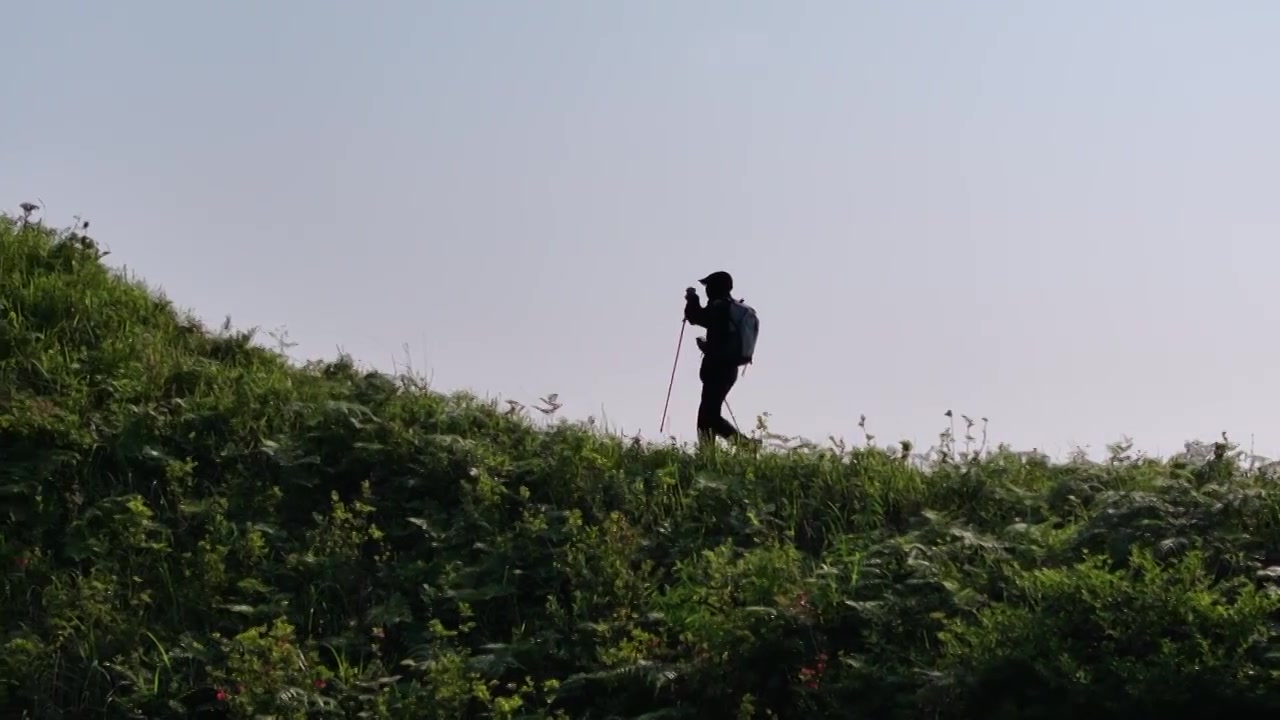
{"x":730,"y":343}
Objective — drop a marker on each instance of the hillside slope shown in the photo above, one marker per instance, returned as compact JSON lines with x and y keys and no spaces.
{"x":192,"y":527}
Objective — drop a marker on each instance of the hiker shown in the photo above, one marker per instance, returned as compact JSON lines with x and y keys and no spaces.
{"x":731,"y":329}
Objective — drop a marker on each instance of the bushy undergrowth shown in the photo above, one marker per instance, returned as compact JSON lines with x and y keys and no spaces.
{"x":190,"y":526}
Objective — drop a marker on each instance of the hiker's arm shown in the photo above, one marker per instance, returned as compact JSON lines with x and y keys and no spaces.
{"x":693,"y":310}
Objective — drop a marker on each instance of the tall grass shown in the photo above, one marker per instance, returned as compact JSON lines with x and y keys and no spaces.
{"x":192,"y":526}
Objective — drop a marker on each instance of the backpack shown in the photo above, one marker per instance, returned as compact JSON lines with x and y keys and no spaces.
{"x":744,"y":326}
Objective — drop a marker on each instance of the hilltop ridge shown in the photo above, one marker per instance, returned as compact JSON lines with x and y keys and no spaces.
{"x":193,"y":526}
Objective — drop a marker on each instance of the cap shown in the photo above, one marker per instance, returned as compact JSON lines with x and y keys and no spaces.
{"x":720,"y":279}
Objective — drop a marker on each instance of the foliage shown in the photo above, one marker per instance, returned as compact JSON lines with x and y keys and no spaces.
{"x":193,"y":526}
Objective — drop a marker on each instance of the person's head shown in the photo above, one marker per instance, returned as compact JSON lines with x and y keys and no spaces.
{"x":719,"y":284}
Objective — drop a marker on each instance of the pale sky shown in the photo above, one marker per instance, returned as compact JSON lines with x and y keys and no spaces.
{"x":1061,"y":216}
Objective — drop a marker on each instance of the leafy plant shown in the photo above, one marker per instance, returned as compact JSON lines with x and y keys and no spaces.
{"x":192,"y":525}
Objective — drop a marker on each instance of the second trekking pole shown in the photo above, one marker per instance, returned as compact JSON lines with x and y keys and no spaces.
{"x":673,"y":376}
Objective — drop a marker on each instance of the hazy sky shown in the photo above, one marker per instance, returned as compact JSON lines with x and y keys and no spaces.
{"x":1062,"y":216}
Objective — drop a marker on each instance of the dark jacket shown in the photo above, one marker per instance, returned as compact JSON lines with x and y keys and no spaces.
{"x":714,"y":317}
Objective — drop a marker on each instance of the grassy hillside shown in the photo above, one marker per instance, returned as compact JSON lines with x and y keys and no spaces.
{"x":192,"y":527}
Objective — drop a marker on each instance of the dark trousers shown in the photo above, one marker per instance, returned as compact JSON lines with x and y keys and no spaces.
{"x":717,"y":381}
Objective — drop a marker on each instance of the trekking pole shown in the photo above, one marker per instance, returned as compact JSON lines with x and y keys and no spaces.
{"x":726,"y":404}
{"x":673,"y":376}
{"x":731,"y":417}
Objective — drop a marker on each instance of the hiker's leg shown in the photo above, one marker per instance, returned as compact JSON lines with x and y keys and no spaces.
{"x":715,"y":388}
{"x":709,"y":404}
{"x":709,"y":410}
{"x":725,"y":429}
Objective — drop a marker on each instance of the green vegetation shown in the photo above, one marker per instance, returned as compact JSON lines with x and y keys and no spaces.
{"x":191,"y":526}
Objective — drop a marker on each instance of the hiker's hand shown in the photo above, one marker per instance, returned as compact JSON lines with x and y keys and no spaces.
{"x":690,"y":294}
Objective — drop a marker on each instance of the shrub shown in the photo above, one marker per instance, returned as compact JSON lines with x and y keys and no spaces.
{"x":194,"y":526}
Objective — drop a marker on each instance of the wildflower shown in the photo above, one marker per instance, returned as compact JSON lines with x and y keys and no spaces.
{"x":21,"y":563}
{"x":319,"y":684}
{"x":811,"y":676}
{"x":222,"y":695}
